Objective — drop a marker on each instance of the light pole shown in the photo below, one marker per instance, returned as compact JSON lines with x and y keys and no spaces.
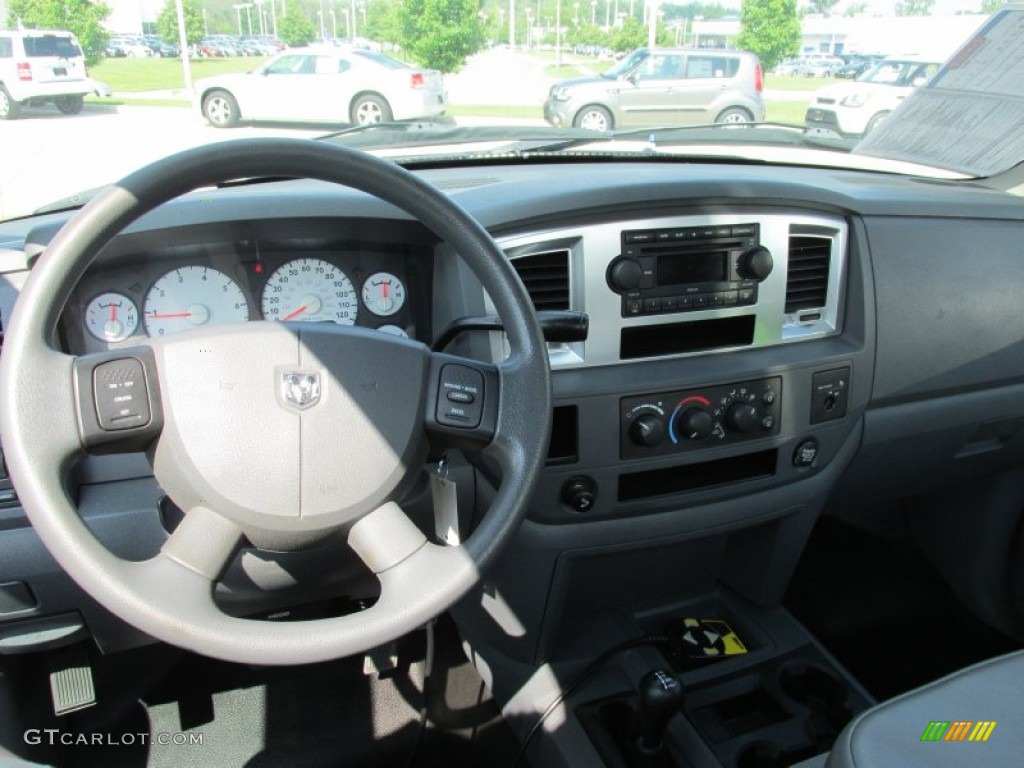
{"x":512,"y":24}
{"x":334,"y":24}
{"x":348,"y":29}
{"x":248,"y":17}
{"x":206,"y":28}
{"x":260,"y":16}
{"x":558,"y":34}
{"x":320,"y":22}
{"x":353,"y":11}
{"x":238,"y":12}
{"x":529,"y":28}
{"x":593,"y":13}
{"x":576,"y":14}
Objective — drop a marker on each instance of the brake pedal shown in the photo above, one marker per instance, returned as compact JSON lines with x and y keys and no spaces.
{"x":381,"y":661}
{"x":71,"y":684}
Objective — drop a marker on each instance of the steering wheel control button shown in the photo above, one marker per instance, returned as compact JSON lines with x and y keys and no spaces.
{"x":829,"y":394}
{"x":806,"y":453}
{"x":580,"y":493}
{"x":121,"y":398}
{"x":463,"y":382}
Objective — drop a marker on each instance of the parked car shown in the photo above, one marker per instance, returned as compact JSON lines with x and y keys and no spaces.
{"x":160,"y":47}
{"x":852,"y":110}
{"x":42,"y":67}
{"x":788,"y":67}
{"x":855,"y":66}
{"x":662,"y":86}
{"x":132,"y":47}
{"x":324,"y":84}
{"x":820,"y":65}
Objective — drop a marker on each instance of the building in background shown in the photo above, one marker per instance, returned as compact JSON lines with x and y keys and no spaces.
{"x":934,"y":37}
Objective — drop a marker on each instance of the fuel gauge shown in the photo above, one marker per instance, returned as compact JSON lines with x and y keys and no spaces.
{"x":111,"y":317}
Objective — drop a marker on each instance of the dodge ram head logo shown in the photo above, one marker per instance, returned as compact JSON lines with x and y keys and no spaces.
{"x":300,"y":390}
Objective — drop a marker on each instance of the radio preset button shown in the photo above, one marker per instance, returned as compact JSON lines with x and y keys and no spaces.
{"x":669,"y":304}
{"x":715,"y":299}
{"x":652,"y":305}
{"x":634,"y":306}
{"x":639,"y":237}
{"x":723,"y":231}
{"x":730,"y":298}
{"x":700,"y":300}
{"x":746,"y":296}
{"x":684,"y":302}
{"x":743,"y":230}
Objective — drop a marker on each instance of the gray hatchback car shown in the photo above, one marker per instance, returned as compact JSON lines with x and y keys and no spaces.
{"x":662,"y":86}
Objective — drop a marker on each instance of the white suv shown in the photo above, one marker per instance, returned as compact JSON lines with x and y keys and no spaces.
{"x":852,"y":110}
{"x":41,"y":66}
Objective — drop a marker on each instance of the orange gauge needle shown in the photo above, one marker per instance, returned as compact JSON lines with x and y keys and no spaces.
{"x":296,"y":313}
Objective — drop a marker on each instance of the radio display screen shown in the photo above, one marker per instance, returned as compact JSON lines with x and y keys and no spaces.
{"x":683,"y":268}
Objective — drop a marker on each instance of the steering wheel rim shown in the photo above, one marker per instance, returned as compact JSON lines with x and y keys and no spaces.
{"x":170,"y":595}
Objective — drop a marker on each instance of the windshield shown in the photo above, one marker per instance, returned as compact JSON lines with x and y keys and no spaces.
{"x":89,"y":97}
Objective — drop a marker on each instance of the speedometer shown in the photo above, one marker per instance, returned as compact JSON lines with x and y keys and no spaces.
{"x":310,"y":290}
{"x":191,"y":297}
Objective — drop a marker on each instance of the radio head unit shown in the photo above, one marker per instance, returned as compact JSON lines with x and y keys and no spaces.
{"x":687,"y":269}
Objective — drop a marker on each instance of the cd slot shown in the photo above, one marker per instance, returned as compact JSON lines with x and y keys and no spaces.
{"x":692,"y":477}
{"x":695,"y":336}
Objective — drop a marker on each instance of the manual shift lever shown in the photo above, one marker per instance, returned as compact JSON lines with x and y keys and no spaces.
{"x":661,"y":698}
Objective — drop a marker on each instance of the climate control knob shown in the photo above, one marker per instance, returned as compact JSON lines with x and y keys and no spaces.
{"x":742,"y":417}
{"x":756,"y":264}
{"x":694,"y":424}
{"x":625,"y":274}
{"x":647,"y":430}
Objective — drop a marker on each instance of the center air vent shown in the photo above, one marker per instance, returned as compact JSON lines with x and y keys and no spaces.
{"x":546,"y":277}
{"x":809,"y":262}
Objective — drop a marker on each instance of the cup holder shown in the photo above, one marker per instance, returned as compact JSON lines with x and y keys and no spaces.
{"x":821,"y":691}
{"x":763,"y":754}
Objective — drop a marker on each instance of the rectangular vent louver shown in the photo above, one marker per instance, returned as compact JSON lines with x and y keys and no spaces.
{"x":546,"y":277}
{"x":809,"y":262}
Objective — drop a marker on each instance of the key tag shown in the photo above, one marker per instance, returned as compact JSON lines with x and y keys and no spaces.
{"x":446,"y":505}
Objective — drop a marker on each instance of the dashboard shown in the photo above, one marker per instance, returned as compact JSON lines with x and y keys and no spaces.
{"x":147,"y":287}
{"x":764,"y":341}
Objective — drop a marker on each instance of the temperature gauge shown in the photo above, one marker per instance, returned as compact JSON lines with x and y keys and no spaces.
{"x":111,"y":317}
{"x":383,"y":294}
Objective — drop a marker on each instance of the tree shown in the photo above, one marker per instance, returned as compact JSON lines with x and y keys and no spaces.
{"x":383,"y":22}
{"x":440,"y":34}
{"x":80,"y":17}
{"x":295,"y":28}
{"x":858,"y":8}
{"x":991,"y":6}
{"x":821,"y":7}
{"x":167,"y":22}
{"x":771,"y":29}
{"x":630,"y":36}
{"x":915,"y":7}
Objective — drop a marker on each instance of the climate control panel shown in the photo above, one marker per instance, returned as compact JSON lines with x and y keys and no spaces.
{"x":671,"y":422}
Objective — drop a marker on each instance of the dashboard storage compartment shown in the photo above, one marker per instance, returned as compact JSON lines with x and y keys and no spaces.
{"x":690,"y":477}
{"x":676,"y":338}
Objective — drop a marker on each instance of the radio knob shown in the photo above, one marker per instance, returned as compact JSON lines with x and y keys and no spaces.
{"x":647,"y":430}
{"x":625,"y":274}
{"x":756,"y":264}
{"x":742,"y":417}
{"x":695,"y":424}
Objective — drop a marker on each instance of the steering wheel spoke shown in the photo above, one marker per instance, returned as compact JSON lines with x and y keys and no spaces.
{"x":117,"y":398}
{"x":203,"y":542}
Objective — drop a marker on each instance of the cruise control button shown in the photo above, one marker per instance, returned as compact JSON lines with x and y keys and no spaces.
{"x":457,"y":411}
{"x":122,"y":401}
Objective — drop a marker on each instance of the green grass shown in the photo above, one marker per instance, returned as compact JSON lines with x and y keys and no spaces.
{"x":566,"y":70}
{"x":474,"y":110}
{"x":130,"y":102}
{"x":796,"y":82}
{"x":789,"y":112}
{"x":133,"y":75}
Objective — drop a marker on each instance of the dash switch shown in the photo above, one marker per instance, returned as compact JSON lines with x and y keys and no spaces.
{"x":830,"y":394}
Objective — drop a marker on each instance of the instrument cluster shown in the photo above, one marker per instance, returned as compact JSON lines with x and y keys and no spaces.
{"x":120,"y":305}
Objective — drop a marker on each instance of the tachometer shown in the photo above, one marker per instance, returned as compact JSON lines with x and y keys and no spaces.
{"x":192,"y":297}
{"x":310,"y":290}
{"x":111,"y":317}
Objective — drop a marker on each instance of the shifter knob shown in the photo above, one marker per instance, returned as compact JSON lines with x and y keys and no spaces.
{"x":661,"y":698}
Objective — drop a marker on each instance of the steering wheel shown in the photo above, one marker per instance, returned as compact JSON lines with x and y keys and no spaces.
{"x":281,"y":434}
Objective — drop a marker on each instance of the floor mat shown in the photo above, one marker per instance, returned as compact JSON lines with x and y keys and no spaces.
{"x":181,"y":710}
{"x":884,"y":611}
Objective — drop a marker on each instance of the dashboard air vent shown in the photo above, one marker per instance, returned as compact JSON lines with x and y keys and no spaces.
{"x":809,"y":262}
{"x":546,"y":277}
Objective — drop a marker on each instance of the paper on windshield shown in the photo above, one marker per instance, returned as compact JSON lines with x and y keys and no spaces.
{"x":970,"y":115}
